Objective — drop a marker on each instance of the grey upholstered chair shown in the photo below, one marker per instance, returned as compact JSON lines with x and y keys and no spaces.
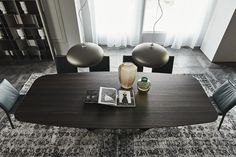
{"x":104,"y":65}
{"x":9,"y":98}
{"x":130,"y":59}
{"x":63,"y":66}
{"x":167,"y":68}
{"x":225,"y":99}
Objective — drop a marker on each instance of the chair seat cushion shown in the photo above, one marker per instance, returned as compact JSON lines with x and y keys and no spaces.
{"x":225,"y":96}
{"x":8,"y":95}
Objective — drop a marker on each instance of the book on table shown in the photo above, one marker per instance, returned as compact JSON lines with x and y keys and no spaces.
{"x":111,"y":97}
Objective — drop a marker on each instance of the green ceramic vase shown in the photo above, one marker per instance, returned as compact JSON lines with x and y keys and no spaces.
{"x":143,"y":85}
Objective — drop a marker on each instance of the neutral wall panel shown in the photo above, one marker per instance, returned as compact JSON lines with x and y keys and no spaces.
{"x":62,"y":23}
{"x":217,"y":27}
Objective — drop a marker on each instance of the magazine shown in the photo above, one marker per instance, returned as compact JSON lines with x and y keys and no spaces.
{"x":91,"y":97}
{"x":117,"y":98}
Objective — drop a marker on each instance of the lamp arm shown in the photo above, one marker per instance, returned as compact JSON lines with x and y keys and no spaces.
{"x":80,"y":18}
{"x":154,"y":26}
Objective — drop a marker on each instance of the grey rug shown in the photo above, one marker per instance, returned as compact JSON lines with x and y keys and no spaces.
{"x":196,"y":140}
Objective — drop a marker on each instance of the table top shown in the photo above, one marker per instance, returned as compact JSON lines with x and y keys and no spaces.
{"x":173,"y":100}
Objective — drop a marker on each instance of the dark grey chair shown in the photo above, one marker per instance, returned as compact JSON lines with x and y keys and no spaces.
{"x":225,"y":99}
{"x":104,"y":65}
{"x":63,"y":66}
{"x":10,"y":99}
{"x":167,"y":68}
{"x":130,"y":59}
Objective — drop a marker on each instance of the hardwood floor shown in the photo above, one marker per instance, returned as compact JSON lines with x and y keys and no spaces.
{"x":186,"y":60}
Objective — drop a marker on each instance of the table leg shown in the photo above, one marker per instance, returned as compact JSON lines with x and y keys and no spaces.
{"x":144,"y":129}
{"x":90,"y":129}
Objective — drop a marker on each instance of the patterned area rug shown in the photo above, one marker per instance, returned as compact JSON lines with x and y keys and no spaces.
{"x":196,"y":140}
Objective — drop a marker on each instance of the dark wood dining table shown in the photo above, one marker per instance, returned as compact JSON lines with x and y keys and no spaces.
{"x":173,"y":100}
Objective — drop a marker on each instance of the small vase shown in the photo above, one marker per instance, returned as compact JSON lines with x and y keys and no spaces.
{"x":41,"y":33}
{"x":143,"y":85}
{"x":21,"y":33}
{"x":127,"y":74}
{"x":2,"y":8}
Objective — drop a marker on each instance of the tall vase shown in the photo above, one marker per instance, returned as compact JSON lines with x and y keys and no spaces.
{"x":127,"y":74}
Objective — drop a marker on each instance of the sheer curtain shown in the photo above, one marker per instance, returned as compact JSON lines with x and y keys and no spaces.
{"x":187,"y":21}
{"x":115,"y":23}
{"x":119,"y":22}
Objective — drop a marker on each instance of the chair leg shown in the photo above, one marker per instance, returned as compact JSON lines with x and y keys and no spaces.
{"x":144,"y":129}
{"x":222,"y":119}
{"x":91,"y":129}
{"x":9,"y":118}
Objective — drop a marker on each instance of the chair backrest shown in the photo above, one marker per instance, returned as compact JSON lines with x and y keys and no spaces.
{"x":63,"y":66}
{"x":8,"y":95}
{"x":104,"y":65}
{"x":225,"y":96}
{"x":167,"y":68}
{"x":130,"y":59}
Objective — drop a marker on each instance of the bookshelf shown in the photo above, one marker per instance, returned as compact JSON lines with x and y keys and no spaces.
{"x":22,"y":32}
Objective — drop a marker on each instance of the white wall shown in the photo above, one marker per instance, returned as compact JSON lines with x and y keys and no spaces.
{"x":216,"y":30}
{"x":62,"y":22}
{"x":227,"y":49}
{"x":86,"y":21}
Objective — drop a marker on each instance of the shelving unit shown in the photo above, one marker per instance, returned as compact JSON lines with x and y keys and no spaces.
{"x":22,"y":35}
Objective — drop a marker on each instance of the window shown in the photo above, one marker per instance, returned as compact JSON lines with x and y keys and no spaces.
{"x":152,"y":12}
{"x":178,"y":14}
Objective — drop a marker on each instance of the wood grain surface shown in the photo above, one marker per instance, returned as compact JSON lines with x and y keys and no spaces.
{"x":173,"y":100}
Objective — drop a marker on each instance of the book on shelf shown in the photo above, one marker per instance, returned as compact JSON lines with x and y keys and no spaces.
{"x":24,"y":7}
{"x":34,"y":17}
{"x":1,"y":34}
{"x":111,"y":97}
{"x":18,"y":20}
{"x":31,"y":43}
{"x":2,"y":8}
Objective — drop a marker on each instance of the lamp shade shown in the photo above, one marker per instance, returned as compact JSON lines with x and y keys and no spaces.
{"x":150,"y":55}
{"x":85,"y":55}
